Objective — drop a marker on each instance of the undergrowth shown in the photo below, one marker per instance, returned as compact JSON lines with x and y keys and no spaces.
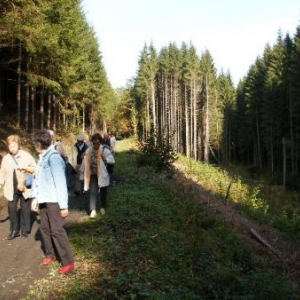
{"x":152,"y":244}
{"x":266,"y":204}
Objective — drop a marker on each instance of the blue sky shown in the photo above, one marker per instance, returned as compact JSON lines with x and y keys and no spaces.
{"x":234,"y":31}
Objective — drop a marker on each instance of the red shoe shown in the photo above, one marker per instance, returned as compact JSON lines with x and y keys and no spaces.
{"x":66,"y":269}
{"x":48,"y":260}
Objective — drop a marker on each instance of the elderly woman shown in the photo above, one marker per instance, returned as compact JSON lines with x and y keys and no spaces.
{"x":12,"y":175}
{"x":77,"y":154}
{"x":96,"y":176}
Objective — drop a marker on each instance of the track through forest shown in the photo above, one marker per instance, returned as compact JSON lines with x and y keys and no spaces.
{"x":20,"y":259}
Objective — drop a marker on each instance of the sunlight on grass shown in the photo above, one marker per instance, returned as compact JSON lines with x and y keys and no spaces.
{"x":157,"y":243}
{"x":279,"y":210}
{"x":127,"y":145}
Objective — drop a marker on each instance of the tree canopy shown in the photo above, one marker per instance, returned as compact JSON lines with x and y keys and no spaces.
{"x":51,"y":67}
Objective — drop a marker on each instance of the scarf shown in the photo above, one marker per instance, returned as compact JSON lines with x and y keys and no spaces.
{"x":87,"y":173}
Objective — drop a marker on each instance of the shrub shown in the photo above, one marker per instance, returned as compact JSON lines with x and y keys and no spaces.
{"x":156,"y":152}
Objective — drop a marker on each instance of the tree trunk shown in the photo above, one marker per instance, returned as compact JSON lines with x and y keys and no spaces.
{"x":258,"y":141}
{"x":187,"y":124}
{"x":206,"y":141}
{"x":55,"y":111}
{"x":153,"y":108}
{"x":27,"y":99}
{"x":49,"y":111}
{"x":83,"y":118}
{"x":42,"y":107}
{"x":19,"y":86}
{"x":33,"y":110}
{"x":283,"y":162}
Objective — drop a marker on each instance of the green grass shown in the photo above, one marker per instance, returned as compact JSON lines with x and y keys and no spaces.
{"x":155,"y":244}
{"x":260,"y":201}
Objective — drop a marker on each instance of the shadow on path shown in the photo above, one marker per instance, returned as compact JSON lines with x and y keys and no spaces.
{"x":20,"y":260}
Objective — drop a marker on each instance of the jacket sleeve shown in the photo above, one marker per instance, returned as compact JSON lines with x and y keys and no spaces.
{"x":2,"y":172}
{"x":108,"y":155}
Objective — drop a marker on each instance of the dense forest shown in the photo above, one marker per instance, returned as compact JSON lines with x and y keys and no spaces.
{"x":51,"y":70}
{"x":52,"y":76}
{"x":179,"y":97}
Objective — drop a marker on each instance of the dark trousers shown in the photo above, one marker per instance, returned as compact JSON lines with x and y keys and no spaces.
{"x":25,"y":221}
{"x":54,"y":235}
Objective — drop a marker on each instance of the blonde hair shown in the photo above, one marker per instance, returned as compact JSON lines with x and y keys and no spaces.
{"x":14,"y":138}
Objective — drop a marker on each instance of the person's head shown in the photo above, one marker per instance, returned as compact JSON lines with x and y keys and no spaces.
{"x":42,"y":140}
{"x":96,"y":140}
{"x":80,"y":138}
{"x":13,"y":143}
{"x":51,"y":132}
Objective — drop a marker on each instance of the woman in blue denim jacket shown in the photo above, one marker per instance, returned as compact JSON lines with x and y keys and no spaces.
{"x":50,"y":191}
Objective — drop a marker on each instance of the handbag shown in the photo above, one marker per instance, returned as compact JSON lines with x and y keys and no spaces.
{"x":110,"y":168}
{"x":28,"y":180}
{"x":28,"y":177}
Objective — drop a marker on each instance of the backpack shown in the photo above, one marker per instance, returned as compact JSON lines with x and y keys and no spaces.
{"x":110,"y":168}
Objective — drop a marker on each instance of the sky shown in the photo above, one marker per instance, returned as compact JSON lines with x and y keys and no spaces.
{"x":235,"y":32}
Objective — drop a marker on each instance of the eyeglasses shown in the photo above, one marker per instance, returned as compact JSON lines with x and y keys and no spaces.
{"x":96,"y":143}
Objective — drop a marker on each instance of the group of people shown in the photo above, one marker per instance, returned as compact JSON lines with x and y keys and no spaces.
{"x":48,"y":194}
{"x":91,"y":161}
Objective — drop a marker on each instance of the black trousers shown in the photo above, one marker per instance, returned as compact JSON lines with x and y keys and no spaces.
{"x":54,"y":235}
{"x":25,"y":223}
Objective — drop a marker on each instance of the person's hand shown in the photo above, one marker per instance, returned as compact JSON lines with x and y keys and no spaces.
{"x":20,"y":187}
{"x":64,"y":212}
{"x":21,"y":167}
{"x":34,"y":205}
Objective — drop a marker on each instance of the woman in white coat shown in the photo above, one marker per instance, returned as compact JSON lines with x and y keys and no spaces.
{"x":96,"y":177}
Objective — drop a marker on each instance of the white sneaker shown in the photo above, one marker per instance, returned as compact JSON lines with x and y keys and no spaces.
{"x":93,"y":214}
{"x":102,"y":211}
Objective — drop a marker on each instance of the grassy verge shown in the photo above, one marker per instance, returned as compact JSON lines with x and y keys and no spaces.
{"x":152,"y":244}
{"x":264,"y":203}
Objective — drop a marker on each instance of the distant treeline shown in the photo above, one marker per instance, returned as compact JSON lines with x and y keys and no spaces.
{"x":178,"y":96}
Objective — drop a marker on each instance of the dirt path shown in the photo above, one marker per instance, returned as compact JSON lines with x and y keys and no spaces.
{"x":20,"y":260}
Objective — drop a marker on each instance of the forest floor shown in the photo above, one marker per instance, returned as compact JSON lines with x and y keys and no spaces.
{"x":21,"y":259}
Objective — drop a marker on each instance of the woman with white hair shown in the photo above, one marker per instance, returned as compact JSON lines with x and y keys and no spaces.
{"x":77,"y":154}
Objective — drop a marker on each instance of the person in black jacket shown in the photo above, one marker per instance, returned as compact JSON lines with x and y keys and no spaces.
{"x":77,"y":155}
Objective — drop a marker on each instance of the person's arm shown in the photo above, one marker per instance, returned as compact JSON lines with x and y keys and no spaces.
{"x":2,"y":172}
{"x":27,"y":164}
{"x":57,"y":166}
{"x":107,"y":156}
